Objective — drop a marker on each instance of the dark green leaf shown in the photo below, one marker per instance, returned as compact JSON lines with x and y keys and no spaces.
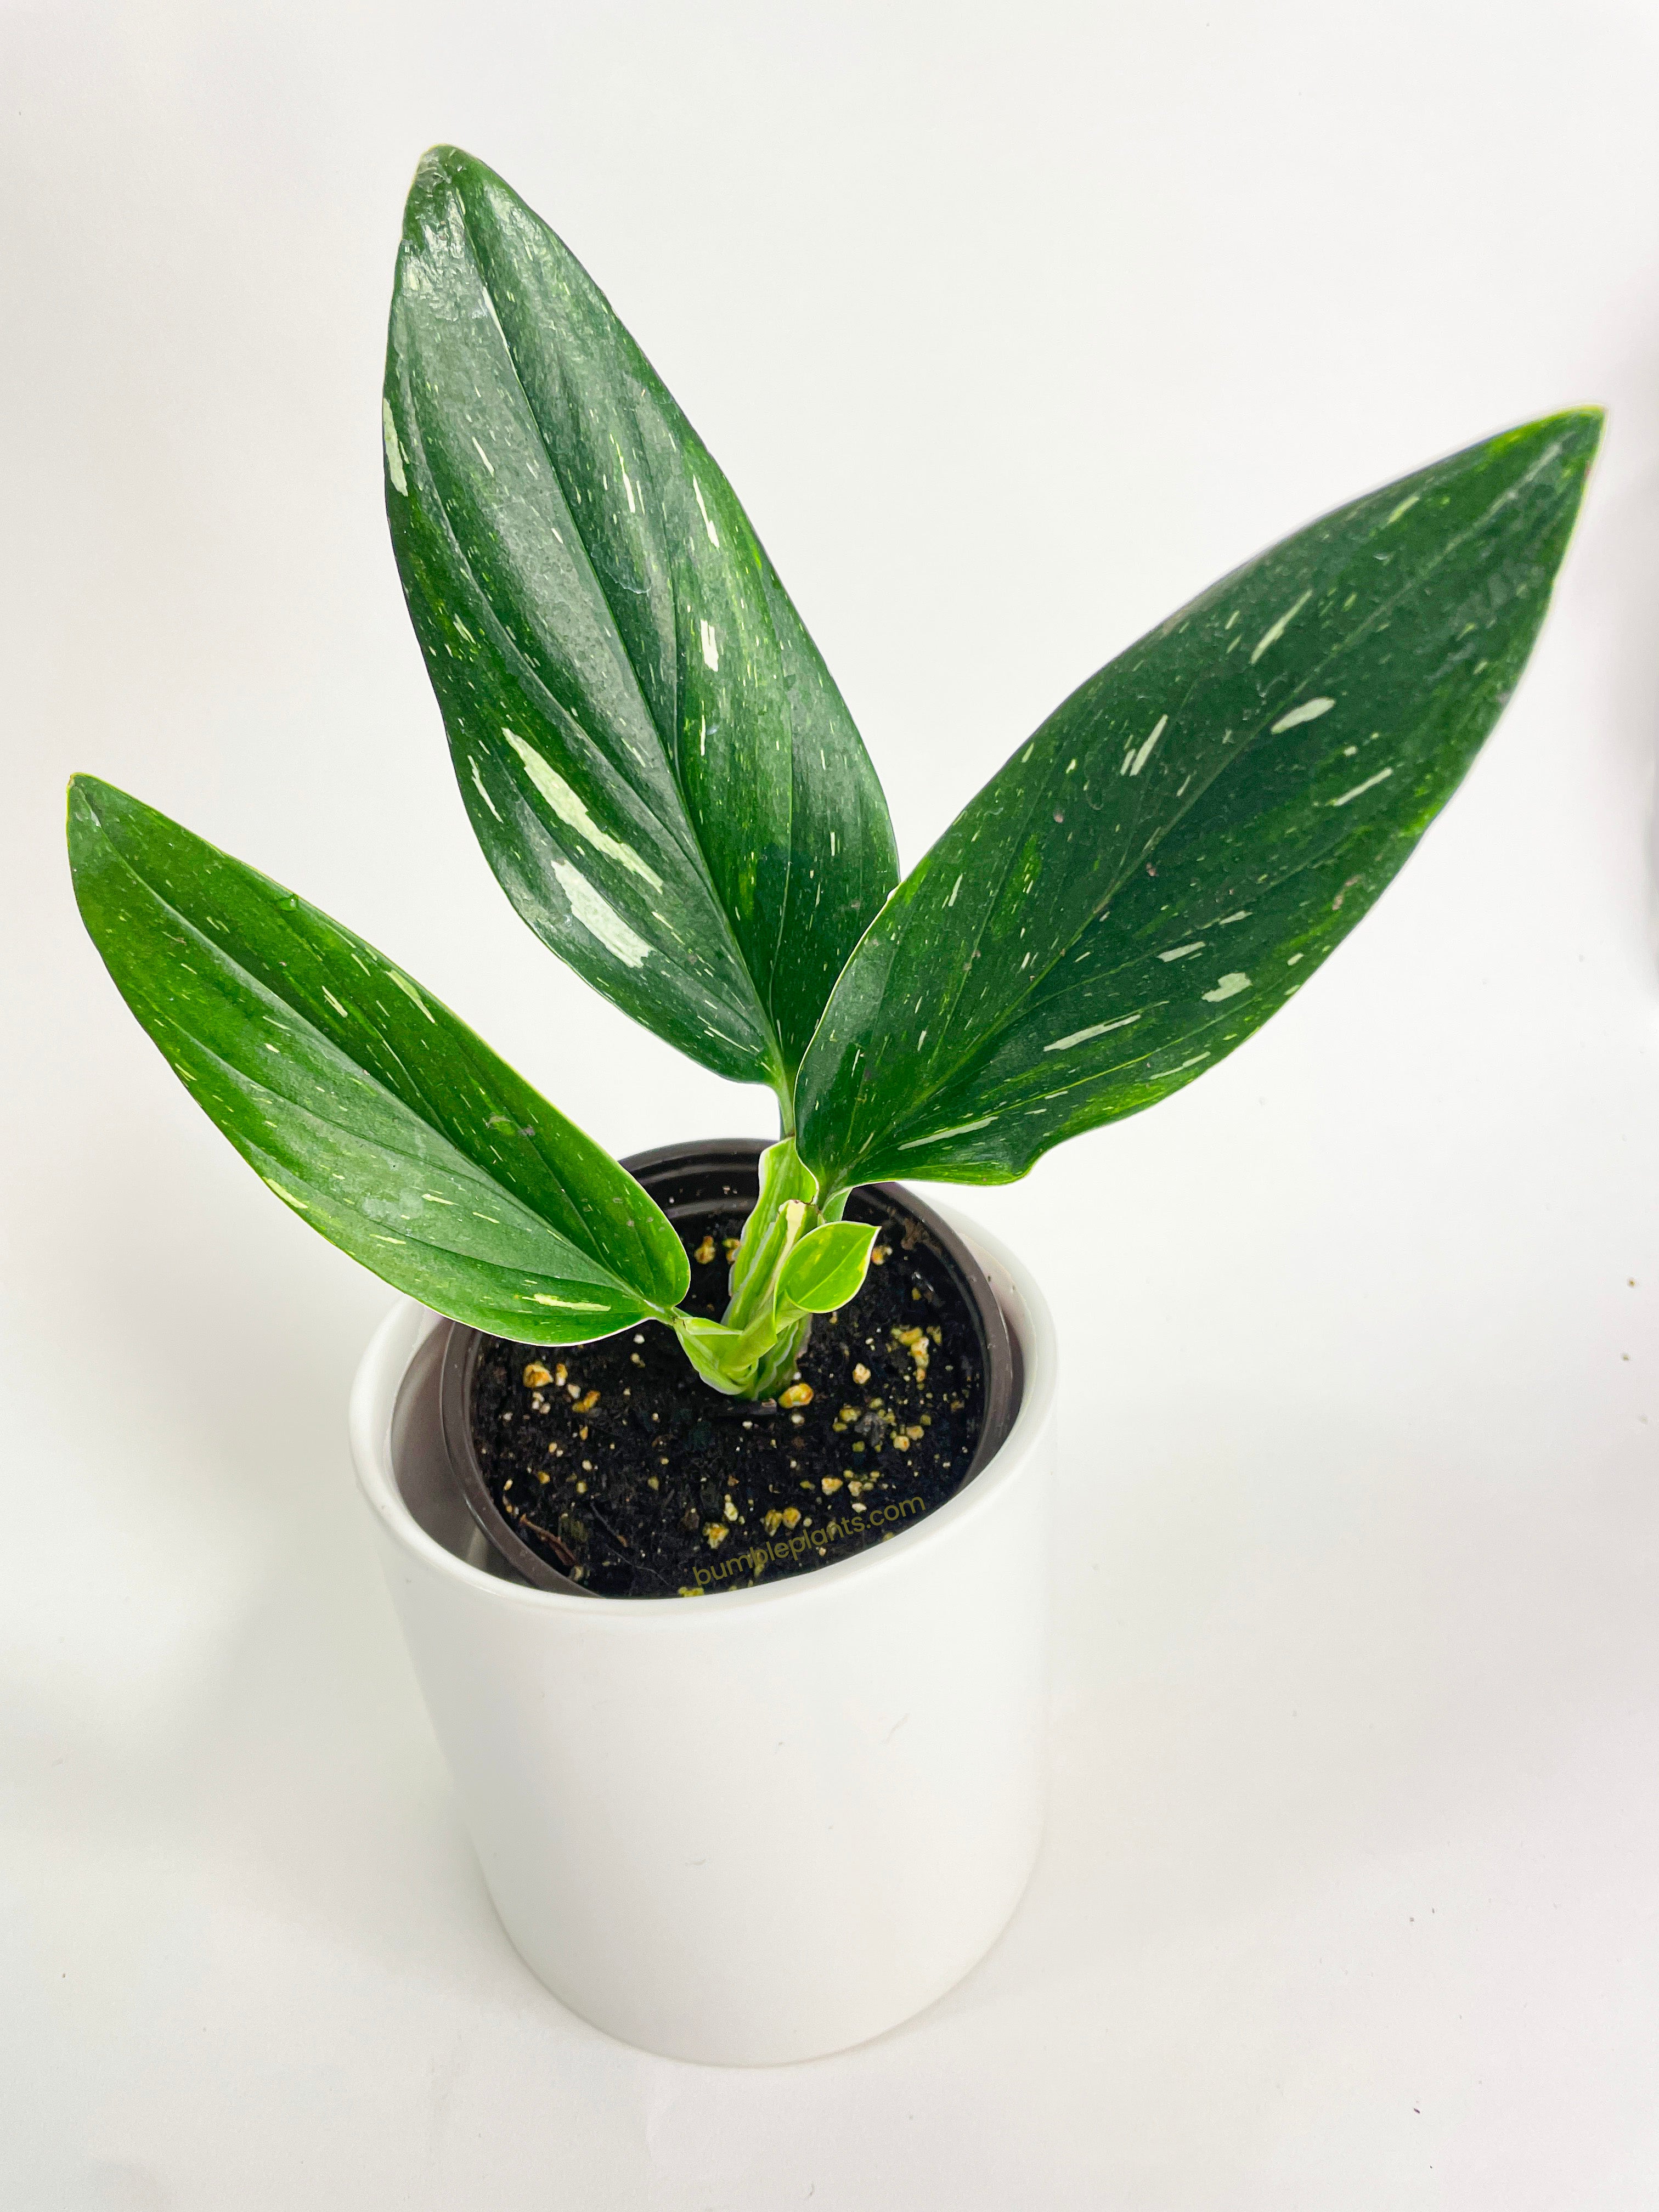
{"x":361,"y":1101}
{"x":656,"y":761}
{"x":1186,"y":839}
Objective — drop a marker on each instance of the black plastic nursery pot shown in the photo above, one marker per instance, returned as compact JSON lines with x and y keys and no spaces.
{"x":610,"y":1469}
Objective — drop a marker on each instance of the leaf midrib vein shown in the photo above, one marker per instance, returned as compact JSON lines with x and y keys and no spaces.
{"x":670,"y":753}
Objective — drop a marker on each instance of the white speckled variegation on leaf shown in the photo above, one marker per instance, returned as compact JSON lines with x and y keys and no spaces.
{"x":655,"y":760}
{"x":363,"y":1103}
{"x":1184,"y":839}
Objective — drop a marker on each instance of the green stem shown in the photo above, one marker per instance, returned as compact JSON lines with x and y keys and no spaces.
{"x":753,"y":1349}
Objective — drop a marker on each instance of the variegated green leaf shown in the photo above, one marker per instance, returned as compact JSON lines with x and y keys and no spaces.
{"x":1184,"y":839}
{"x":363,"y":1103}
{"x":652,"y":754}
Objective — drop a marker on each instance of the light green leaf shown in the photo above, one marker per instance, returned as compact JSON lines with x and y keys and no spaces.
{"x":1184,"y":839}
{"x":785,"y":1199}
{"x":725,"y":1357}
{"x":654,"y":758}
{"x":362,"y":1101}
{"x":827,"y":1267}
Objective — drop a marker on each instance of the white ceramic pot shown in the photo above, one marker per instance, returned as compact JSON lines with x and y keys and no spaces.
{"x":755,"y":1825}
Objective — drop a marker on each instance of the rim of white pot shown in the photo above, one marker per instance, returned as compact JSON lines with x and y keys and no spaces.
{"x":1028,"y":1316}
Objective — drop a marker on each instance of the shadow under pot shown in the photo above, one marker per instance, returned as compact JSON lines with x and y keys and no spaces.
{"x":610,"y":1469}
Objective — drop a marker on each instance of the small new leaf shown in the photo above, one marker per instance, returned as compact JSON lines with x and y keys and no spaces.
{"x":787,"y":1193}
{"x":1194,"y":830}
{"x":828,"y":1267}
{"x":359,"y":1099}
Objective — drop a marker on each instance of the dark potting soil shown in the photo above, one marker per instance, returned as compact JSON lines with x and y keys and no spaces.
{"x":624,"y":1470}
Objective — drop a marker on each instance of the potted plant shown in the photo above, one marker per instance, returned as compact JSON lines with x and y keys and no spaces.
{"x":744,"y":1693}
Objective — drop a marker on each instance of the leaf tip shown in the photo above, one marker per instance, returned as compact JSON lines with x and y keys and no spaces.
{"x":442,"y":171}
{"x":87,"y":799}
{"x":1576,"y":430}
{"x":439,"y":164}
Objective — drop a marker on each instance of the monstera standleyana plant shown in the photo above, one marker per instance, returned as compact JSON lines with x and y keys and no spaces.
{"x":667,"y":784}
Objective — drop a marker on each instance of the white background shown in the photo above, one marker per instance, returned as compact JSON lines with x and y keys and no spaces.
{"x":1013,"y":326}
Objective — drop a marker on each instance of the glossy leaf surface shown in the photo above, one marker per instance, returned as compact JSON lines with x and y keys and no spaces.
{"x":364,"y":1103}
{"x":1194,"y":830}
{"x":655,"y":760}
{"x":827,"y":1267}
